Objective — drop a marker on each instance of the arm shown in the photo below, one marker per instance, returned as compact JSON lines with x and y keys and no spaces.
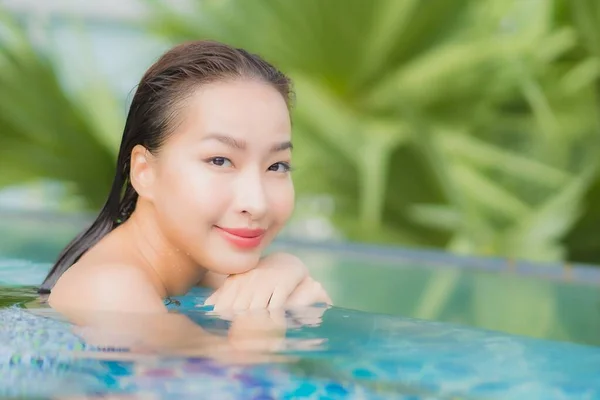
{"x":117,"y":306}
{"x":213,"y":280}
{"x":279,"y":280}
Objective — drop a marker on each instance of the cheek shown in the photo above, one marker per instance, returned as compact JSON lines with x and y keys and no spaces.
{"x":191,"y":196}
{"x":282,"y":202}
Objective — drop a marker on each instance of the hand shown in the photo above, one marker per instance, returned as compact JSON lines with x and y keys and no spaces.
{"x":308,"y":292}
{"x":253,"y":337}
{"x":278,"y":280}
{"x":264,"y":331}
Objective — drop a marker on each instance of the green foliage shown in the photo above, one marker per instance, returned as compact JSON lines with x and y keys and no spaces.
{"x":582,"y":240}
{"x":469,"y":125}
{"x":47,"y":132}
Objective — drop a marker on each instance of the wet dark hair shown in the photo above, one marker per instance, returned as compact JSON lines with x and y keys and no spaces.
{"x":152,"y":117}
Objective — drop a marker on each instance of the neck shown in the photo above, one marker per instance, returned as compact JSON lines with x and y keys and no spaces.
{"x":173,"y":270}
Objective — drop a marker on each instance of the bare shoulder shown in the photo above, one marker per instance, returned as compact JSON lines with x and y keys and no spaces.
{"x":105,"y":287}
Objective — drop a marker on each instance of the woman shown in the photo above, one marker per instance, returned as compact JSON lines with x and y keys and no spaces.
{"x":202,"y":186}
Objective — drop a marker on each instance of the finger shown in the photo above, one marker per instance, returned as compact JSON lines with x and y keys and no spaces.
{"x":247,"y":323}
{"x":212,"y":299}
{"x":229,"y":291}
{"x":307,"y":293}
{"x":307,"y":316}
{"x":282,"y":292}
{"x":321,"y":295}
{"x":253,"y":290}
{"x":299,"y":296}
{"x":243,"y":298}
{"x":262,"y":321}
{"x":261,"y":299}
{"x":258,"y":330}
{"x":226,"y":315}
{"x":278,"y":320}
{"x":278,"y":298}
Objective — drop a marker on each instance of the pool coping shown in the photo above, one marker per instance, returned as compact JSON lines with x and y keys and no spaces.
{"x":561,"y":271}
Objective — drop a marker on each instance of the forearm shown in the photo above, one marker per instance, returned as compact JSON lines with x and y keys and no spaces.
{"x":215,"y":281}
{"x":212,"y":280}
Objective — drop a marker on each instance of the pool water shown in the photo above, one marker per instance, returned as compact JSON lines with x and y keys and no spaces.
{"x":546,"y":301}
{"x":326,"y":353}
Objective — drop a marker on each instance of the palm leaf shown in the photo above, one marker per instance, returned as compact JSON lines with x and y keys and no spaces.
{"x":46,"y":132}
{"x":408,"y":109}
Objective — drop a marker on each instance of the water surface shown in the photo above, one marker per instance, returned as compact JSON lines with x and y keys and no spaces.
{"x":322,"y":353}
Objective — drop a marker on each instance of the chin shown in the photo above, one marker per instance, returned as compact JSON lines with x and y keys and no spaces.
{"x":230,"y":263}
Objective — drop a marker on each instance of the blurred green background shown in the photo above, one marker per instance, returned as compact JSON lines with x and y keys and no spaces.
{"x":470,"y":126}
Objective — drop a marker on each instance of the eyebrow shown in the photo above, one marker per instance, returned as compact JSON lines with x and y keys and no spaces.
{"x":282,"y":146}
{"x":241,"y":144}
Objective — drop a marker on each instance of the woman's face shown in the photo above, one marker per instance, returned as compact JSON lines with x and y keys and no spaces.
{"x":221,"y":186}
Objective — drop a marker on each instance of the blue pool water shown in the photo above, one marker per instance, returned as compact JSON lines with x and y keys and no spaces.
{"x":329,"y":353}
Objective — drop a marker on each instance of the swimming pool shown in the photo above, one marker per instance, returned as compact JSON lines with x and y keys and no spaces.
{"x":542,"y":301}
{"x":353,"y":350}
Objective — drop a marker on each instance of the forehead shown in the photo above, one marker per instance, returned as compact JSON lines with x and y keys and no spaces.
{"x":246,"y":109}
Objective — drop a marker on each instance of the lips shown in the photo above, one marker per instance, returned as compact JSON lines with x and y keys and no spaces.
{"x":242,"y":238}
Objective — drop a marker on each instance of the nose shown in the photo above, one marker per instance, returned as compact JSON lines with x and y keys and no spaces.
{"x":250,"y":196}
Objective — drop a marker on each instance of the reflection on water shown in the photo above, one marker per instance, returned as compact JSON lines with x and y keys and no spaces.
{"x":485,"y":295}
{"x":17,"y":296}
{"x":308,"y":352}
{"x":509,"y":302}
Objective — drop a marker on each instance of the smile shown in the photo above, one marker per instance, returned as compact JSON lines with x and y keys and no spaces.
{"x":241,"y":237}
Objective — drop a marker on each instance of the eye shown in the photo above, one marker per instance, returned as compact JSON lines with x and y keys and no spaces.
{"x":280,"y":167}
{"x":220,"y":162}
